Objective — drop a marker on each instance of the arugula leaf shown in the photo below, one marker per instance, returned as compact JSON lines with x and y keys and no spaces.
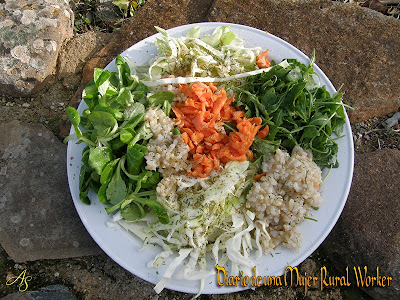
{"x":295,"y":110}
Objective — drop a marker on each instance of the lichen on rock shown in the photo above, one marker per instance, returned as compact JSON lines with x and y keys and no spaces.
{"x":31,"y":35}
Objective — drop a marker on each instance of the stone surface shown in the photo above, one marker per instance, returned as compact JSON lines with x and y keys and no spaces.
{"x":54,"y":292}
{"x":108,"y":12}
{"x":37,"y":217}
{"x":354,"y":46}
{"x":75,"y":53}
{"x":31,"y":34}
{"x":368,"y":231}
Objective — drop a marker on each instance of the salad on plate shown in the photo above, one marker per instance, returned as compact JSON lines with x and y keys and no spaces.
{"x":212,"y":150}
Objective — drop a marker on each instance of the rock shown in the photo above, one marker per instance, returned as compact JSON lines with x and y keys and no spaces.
{"x":31,"y":34}
{"x":57,"y":292}
{"x":354,"y":46}
{"x":76,"y":52}
{"x":108,"y":12}
{"x":368,"y":231}
{"x":165,"y":14}
{"x":37,"y":217}
{"x":392,"y":121}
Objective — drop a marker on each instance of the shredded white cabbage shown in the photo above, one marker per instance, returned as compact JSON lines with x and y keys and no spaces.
{"x":183,"y":80}
{"x":203,"y":215}
{"x":220,"y":54}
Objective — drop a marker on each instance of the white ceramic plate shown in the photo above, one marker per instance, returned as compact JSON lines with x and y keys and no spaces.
{"x":123,"y":247}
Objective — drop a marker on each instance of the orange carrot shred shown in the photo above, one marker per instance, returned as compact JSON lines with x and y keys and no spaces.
{"x":258,"y":176}
{"x":205,"y":108}
{"x":263,"y":132}
{"x":262,"y":61}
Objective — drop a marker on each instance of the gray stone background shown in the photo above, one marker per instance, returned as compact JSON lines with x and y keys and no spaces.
{"x":44,"y":67}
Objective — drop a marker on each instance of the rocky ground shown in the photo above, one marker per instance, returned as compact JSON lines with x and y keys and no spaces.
{"x":367,"y":232}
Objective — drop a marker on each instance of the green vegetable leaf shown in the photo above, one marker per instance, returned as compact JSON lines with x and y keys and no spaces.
{"x":124,"y":98}
{"x":135,"y":158}
{"x":151,"y":179}
{"x":84,"y":184}
{"x":295,"y":110}
{"x":126,"y":80}
{"x":144,"y":132}
{"x":126,"y":135}
{"x":73,"y":115}
{"x":159,"y":98}
{"x":108,"y":171}
{"x":158,"y":209}
{"x":133,"y":212}
{"x":114,"y":112}
{"x":103,"y":122}
{"x":117,"y":189}
{"x":99,"y":157}
{"x":134,"y":110}
{"x":75,"y":119}
{"x":90,"y":95}
{"x":101,"y":194}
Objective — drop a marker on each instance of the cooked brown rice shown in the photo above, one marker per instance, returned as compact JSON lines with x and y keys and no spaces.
{"x":165,"y":151}
{"x":284,"y":196}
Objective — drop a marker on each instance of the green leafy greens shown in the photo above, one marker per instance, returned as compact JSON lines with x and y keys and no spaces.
{"x":116,"y":135}
{"x":296,"y":111}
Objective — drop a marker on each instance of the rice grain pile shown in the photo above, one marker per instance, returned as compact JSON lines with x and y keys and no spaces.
{"x":284,"y":196}
{"x":165,"y":151}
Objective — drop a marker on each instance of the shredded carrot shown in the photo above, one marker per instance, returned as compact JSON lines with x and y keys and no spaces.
{"x":262,"y":61}
{"x":263,"y":132}
{"x":198,"y":118}
{"x":258,"y":176}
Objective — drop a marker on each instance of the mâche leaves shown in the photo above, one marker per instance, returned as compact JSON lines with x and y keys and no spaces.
{"x":113,"y":127}
{"x":99,"y":157}
{"x":117,"y":189}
